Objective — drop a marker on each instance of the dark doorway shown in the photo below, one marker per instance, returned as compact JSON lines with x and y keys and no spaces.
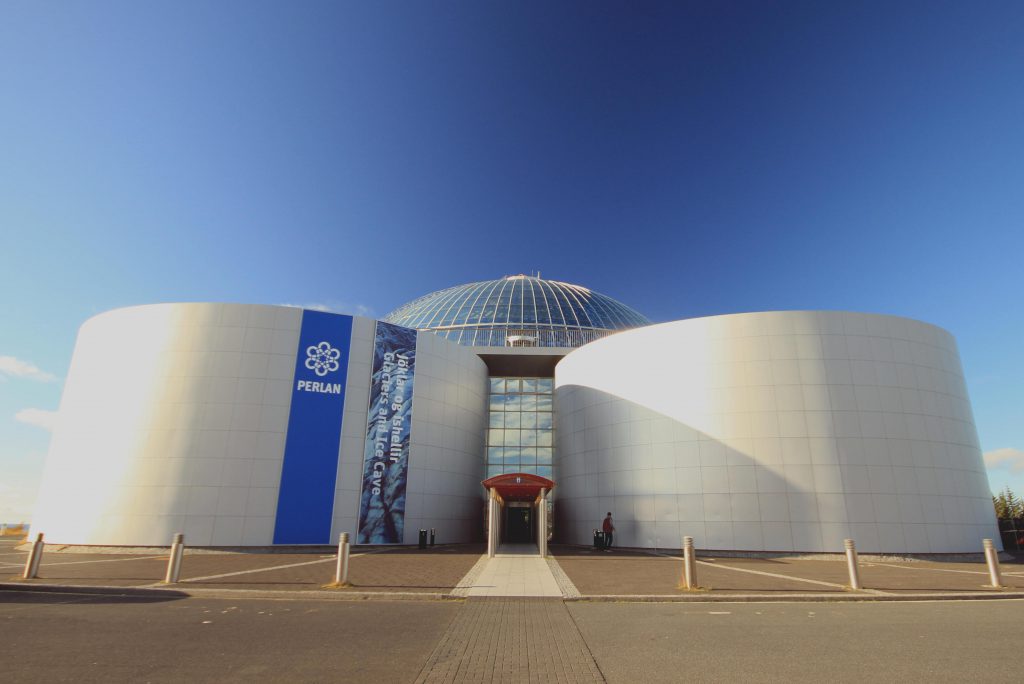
{"x":518,"y":525}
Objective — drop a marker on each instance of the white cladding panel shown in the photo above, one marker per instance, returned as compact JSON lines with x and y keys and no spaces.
{"x":174,"y":416}
{"x":172,"y":420}
{"x":446,"y":461}
{"x":778,"y":431}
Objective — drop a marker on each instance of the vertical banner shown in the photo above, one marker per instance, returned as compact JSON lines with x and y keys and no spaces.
{"x":305,"y":501}
{"x":388,"y":425}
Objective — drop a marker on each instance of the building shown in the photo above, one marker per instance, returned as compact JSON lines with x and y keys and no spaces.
{"x":508,"y":407}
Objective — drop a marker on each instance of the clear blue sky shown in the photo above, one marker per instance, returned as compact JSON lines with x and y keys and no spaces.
{"x":685,"y":158}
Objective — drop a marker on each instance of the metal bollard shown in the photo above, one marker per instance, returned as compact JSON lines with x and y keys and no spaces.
{"x":851,"y":564}
{"x":341,"y":573}
{"x":174,"y":562}
{"x":35,"y":557}
{"x":992,"y":558}
{"x":432,"y":533}
{"x":689,"y":564}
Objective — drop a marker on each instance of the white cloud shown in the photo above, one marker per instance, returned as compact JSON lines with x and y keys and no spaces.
{"x":39,"y":417}
{"x":1008,"y":458}
{"x":17,"y":368}
{"x":338,"y":307}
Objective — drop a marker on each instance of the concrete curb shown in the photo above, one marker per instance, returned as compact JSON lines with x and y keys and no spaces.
{"x":197,"y":592}
{"x":348,"y":595}
{"x":796,"y":598}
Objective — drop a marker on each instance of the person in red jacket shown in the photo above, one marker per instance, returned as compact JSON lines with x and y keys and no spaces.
{"x":608,"y":528}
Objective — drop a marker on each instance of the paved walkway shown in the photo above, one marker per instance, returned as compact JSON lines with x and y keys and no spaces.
{"x":516,"y":570}
{"x":463,"y":571}
{"x":511,"y":640}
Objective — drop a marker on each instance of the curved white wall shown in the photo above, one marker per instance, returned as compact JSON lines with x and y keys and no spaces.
{"x":174,"y":416}
{"x":776,"y":431}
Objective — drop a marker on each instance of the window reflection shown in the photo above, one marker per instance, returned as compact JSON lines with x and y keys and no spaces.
{"x":521,"y":429}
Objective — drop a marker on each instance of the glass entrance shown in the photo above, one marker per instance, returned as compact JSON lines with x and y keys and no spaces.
{"x":517,"y":525}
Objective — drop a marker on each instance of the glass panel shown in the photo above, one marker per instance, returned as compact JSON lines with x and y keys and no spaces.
{"x":494,"y":470}
{"x":495,"y":437}
{"x":511,"y":438}
{"x":528,"y":402}
{"x":512,"y":454}
{"x":544,"y":421}
{"x":545,"y":384}
{"x":543,"y":402}
{"x":526,"y":469}
{"x":494,"y":454}
{"x":544,"y":471}
{"x":528,"y":420}
{"x":497,"y":419}
{"x":512,"y":419}
{"x":543,"y":456}
{"x":497,"y":385}
{"x":497,"y":402}
{"x":512,"y":402}
{"x":544,"y":438}
{"x":528,"y":437}
{"x":512,"y":385}
{"x":529,"y":384}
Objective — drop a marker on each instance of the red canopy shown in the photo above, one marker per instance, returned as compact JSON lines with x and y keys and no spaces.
{"x":518,"y":486}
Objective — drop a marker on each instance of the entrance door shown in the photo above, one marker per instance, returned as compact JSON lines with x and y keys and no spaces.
{"x":518,"y":525}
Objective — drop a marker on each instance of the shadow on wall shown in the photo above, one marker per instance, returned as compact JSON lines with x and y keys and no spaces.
{"x":663,"y":479}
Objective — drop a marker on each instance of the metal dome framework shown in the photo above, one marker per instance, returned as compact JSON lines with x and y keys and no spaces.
{"x":518,"y":311}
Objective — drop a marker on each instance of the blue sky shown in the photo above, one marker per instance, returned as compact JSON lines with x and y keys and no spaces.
{"x":685,"y":158}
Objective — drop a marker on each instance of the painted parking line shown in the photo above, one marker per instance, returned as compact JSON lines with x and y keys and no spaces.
{"x":47,"y":564}
{"x":784,"y":577}
{"x":965,"y":572}
{"x":331,"y":559}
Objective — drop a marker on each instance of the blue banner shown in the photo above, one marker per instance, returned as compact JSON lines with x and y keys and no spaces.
{"x":388,"y":426}
{"x":305,"y":502}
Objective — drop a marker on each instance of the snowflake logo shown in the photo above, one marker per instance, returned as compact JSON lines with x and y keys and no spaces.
{"x":322,"y":359}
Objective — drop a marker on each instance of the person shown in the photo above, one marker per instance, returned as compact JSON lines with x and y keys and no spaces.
{"x":608,"y":528}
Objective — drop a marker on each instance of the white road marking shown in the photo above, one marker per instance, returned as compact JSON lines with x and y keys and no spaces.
{"x":785,"y":577}
{"x":275,"y":567}
{"x":965,"y":572}
{"x":47,"y":564}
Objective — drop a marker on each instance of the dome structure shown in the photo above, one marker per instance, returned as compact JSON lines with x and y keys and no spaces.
{"x":518,"y":311}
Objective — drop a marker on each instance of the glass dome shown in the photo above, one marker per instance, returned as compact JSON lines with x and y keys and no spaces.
{"x":517,"y":311}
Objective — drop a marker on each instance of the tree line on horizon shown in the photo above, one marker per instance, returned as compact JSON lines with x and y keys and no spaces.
{"x":1008,"y":505}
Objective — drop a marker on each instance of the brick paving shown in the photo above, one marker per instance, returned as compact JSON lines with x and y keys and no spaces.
{"x":433,"y":570}
{"x":438,"y":571}
{"x":511,"y":640}
{"x":624,"y":572}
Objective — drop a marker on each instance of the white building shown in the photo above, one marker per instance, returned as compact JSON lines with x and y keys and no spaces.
{"x":257,"y":425}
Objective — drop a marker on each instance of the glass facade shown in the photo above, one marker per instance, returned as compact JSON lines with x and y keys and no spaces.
{"x":521,"y":431}
{"x":518,"y":311}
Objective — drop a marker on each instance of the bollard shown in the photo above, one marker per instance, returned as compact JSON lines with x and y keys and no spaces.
{"x":851,"y":563}
{"x":689,"y":564}
{"x":432,"y":532}
{"x":341,"y":573}
{"x":35,"y":557}
{"x":992,"y":558}
{"x":423,"y":539}
{"x":174,"y":562}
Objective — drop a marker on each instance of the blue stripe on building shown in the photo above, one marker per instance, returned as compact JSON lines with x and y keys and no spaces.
{"x":305,"y":503}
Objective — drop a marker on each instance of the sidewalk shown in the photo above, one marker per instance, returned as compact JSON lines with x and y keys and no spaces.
{"x":457,"y":571}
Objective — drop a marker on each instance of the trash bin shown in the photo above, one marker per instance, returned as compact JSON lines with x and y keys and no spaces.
{"x":423,"y":539}
{"x":598,"y":539}
{"x":432,"y":533}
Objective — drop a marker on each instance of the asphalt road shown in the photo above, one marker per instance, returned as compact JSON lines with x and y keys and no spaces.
{"x":804,"y":642}
{"x":62,"y":637}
